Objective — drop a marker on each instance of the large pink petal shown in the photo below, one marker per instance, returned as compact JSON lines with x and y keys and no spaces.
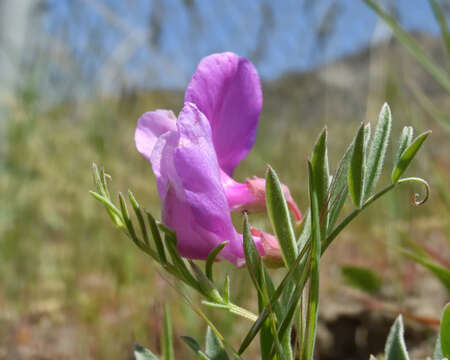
{"x":226,"y":88}
{"x":197,"y":167}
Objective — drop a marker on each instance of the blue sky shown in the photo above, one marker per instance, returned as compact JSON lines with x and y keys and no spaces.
{"x":99,"y":31}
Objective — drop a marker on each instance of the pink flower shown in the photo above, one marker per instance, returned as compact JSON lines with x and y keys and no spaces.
{"x":193,"y":158}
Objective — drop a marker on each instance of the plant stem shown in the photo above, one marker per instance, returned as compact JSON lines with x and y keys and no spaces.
{"x":353,"y":214}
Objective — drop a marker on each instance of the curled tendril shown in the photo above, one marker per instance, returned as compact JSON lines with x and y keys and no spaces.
{"x":415,"y":198}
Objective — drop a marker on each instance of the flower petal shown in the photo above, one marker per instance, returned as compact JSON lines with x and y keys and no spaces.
{"x":150,"y":127}
{"x":226,"y":88}
{"x":195,"y":205}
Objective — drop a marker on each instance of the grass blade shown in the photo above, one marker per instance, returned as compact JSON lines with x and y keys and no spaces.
{"x":438,"y":74}
{"x":167,"y":339}
{"x":377,"y":151}
{"x":356,"y":173}
{"x":280,"y":218}
{"x":408,"y":155}
{"x":441,"y":273}
{"x":442,"y":21}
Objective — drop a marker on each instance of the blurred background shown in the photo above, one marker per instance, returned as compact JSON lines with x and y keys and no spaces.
{"x":76,"y":74}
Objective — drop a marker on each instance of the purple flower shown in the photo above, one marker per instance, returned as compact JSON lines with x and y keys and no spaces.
{"x":193,"y":158}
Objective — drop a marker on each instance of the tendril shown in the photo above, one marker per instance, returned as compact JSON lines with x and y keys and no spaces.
{"x":415,"y":197}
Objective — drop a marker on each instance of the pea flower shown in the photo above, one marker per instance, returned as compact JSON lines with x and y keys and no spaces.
{"x":193,"y":159}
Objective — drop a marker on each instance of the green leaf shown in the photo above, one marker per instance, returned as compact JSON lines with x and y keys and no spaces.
{"x":306,"y":232}
{"x":319,"y":162}
{"x":362,"y":278}
{"x":167,"y":339}
{"x":421,"y":56}
{"x":213,"y":346}
{"x":444,"y":332}
{"x":252,"y":258}
{"x":157,"y":239}
{"x":111,"y":209}
{"x":138,"y":212}
{"x":179,"y":264}
{"x":193,"y":344}
{"x":280,"y":218}
{"x":141,"y":353}
{"x":395,"y":348}
{"x":378,"y":149}
{"x":408,"y":155}
{"x":339,"y":188}
{"x":356,"y":173}
{"x":211,"y":259}
{"x":313,"y":293}
{"x":406,"y":139}
{"x":127,"y":220}
{"x":208,"y":288}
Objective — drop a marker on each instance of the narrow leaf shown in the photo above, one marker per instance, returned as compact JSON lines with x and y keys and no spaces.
{"x":111,"y":209}
{"x":441,"y":273}
{"x":378,"y":149}
{"x":141,"y":353}
{"x":157,"y":239}
{"x":127,"y":219}
{"x":339,"y":188}
{"x":319,"y":162}
{"x":395,"y":348}
{"x":208,"y":288}
{"x":406,"y":139}
{"x":179,"y":264}
{"x":226,"y":289}
{"x":167,"y":338}
{"x":444,"y":332}
{"x":356,"y":173}
{"x":421,"y":56}
{"x":280,"y":217}
{"x":212,"y":258}
{"x":440,"y":17}
{"x":138,"y":212}
{"x":408,"y":155}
